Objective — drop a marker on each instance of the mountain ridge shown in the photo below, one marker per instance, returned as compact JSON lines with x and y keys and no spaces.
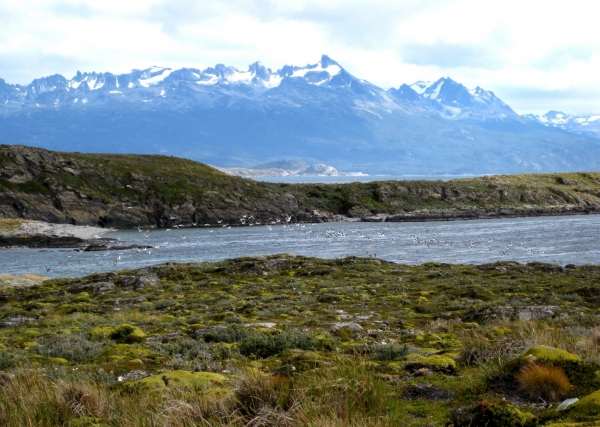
{"x":318,"y":114}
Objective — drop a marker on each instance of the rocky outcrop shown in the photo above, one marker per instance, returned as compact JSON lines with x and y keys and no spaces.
{"x":529,"y":312}
{"x":126,"y":191}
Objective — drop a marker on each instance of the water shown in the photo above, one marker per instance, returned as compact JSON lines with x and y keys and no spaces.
{"x":348,"y":179}
{"x":563,"y":240}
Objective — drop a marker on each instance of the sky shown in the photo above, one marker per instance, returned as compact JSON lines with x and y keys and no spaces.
{"x":536,"y":56}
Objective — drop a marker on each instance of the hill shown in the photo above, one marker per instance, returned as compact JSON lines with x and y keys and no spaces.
{"x":127,"y":191}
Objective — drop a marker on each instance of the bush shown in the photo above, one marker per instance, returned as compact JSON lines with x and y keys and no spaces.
{"x":389,"y":352}
{"x":543,"y":382}
{"x":263,"y":345}
{"x":72,"y":347}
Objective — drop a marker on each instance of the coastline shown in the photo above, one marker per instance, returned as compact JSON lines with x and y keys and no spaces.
{"x":38,"y":234}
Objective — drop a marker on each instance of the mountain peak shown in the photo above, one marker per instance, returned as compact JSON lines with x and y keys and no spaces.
{"x":326,"y":61}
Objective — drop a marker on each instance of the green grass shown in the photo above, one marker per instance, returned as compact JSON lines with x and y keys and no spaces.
{"x":213,"y":317}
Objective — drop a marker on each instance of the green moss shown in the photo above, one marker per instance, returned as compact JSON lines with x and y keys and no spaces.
{"x":124,"y":333}
{"x":550,"y":355}
{"x":588,"y":406}
{"x":435,"y":363}
{"x":184,"y":379}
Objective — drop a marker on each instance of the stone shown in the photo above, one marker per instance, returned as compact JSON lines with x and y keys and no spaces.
{"x":566,"y":403}
{"x":354,"y":328}
{"x":15,"y":320}
{"x":530,"y":312}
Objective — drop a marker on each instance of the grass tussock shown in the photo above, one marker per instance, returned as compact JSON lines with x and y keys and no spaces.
{"x":543,"y":383}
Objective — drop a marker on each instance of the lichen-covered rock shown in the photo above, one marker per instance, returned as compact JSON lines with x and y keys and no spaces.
{"x":15,"y":320}
{"x":529,"y":312}
{"x":352,"y":328}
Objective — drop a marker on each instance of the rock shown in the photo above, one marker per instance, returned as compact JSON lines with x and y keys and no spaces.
{"x":103,"y":286}
{"x":565,"y":404}
{"x":339,"y":327}
{"x":141,"y":281}
{"x":102,"y":248}
{"x":427,"y":392}
{"x":15,"y":320}
{"x":171,"y":336}
{"x":268,"y":325}
{"x":137,"y":300}
{"x":133,"y":376}
{"x":531,"y":312}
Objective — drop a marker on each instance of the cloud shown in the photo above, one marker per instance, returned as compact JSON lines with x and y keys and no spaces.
{"x":494,"y":44}
{"x":576,"y":100}
{"x":451,"y":55}
{"x":562,"y":56}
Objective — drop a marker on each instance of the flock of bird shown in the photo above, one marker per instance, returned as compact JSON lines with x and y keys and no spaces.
{"x":384,"y":241}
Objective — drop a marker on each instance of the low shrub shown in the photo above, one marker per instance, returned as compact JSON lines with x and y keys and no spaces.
{"x":72,"y":347}
{"x":262,"y":345}
{"x":389,"y":352}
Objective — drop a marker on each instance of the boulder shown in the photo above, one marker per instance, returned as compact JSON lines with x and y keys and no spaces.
{"x":338,"y":328}
{"x":528,"y":312}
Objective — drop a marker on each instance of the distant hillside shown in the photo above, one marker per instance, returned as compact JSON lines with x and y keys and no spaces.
{"x":316,"y":114}
{"x":127,"y":191}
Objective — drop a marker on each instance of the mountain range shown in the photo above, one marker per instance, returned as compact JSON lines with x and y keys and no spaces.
{"x":316,"y":114}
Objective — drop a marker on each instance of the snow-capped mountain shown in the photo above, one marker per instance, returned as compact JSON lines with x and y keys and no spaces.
{"x":318,"y":114}
{"x":454,"y":101}
{"x":575,"y":124}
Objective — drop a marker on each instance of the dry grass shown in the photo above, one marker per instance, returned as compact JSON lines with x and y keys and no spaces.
{"x":540,"y":382}
{"x":10,"y":224}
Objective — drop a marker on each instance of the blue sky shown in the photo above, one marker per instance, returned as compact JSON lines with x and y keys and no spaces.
{"x":534,"y":55}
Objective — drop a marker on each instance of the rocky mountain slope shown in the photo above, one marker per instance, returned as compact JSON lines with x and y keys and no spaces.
{"x":318,"y":114}
{"x":126,"y":191}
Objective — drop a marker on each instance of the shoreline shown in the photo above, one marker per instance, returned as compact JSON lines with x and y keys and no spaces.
{"x":38,"y":234}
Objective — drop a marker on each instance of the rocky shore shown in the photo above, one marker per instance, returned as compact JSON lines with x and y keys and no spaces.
{"x":45,"y":235}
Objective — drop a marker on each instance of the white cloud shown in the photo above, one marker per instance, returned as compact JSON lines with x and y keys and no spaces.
{"x":508,"y":46}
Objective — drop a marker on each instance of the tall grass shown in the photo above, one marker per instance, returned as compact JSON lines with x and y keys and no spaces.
{"x":346,"y":394}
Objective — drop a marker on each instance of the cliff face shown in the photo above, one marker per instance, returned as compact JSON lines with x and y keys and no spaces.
{"x":127,"y":191}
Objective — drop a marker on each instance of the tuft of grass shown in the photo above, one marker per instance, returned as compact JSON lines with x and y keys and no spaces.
{"x":542,"y":382}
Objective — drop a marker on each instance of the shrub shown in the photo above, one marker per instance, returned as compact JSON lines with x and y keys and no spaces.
{"x":543,"y":382}
{"x":263,"y":345}
{"x":72,"y":347}
{"x":388,"y":352}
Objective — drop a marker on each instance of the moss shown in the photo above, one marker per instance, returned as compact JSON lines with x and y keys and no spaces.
{"x":435,"y":363}
{"x":550,"y":355}
{"x":184,"y":379}
{"x":124,"y":333}
{"x":588,"y":406}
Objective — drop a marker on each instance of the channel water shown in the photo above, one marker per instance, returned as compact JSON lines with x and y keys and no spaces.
{"x":560,"y":240}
